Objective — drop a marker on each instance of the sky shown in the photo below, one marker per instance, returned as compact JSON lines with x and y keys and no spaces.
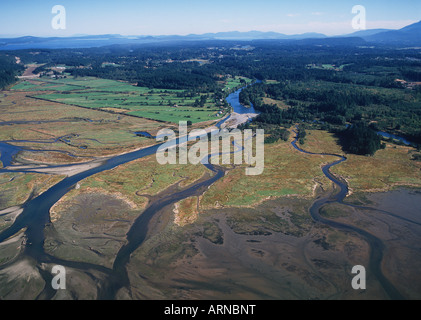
{"x":170,"y":17}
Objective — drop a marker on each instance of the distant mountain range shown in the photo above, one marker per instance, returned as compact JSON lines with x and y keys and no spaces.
{"x":254,"y":35}
{"x":410,"y":35}
{"x":407,"y":36}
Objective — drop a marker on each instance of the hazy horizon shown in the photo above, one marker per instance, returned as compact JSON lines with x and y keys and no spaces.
{"x":187,"y":34}
{"x":163,"y":17}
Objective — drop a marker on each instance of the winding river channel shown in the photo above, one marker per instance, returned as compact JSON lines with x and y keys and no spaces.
{"x":36,"y":215}
{"x":376,"y":245}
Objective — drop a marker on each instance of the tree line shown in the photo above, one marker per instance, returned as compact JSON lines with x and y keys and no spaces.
{"x":9,"y":70}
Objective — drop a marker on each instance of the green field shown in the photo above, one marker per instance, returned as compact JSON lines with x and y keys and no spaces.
{"x":156,"y":104}
{"x":328,"y":67}
{"x":235,"y":83}
{"x":102,"y":133}
{"x":36,"y":85}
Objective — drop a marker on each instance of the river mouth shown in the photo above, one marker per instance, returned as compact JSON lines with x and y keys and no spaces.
{"x":36,"y":216}
{"x":377,"y":246}
{"x":274,"y":251}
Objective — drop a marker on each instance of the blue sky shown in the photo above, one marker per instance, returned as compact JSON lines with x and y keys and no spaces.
{"x":163,"y":17}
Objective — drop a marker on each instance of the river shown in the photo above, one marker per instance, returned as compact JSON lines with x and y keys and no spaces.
{"x":36,"y":212}
{"x":36,"y":215}
{"x":234,"y":100}
{"x":376,"y":245}
{"x":395,"y":137}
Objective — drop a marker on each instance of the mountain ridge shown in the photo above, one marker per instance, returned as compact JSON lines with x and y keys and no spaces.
{"x":408,"y":35}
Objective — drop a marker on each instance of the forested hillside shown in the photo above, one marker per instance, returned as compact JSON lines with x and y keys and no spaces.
{"x":8,"y":70}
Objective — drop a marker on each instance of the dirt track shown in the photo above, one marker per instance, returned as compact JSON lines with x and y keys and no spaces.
{"x":28,"y":74}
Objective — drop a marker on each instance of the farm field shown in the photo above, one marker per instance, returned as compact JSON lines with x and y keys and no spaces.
{"x":119,"y":97}
{"x":57,"y":128}
{"x":236,"y":82}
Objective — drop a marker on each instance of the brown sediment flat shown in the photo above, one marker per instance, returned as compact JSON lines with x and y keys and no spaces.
{"x":257,"y":263}
{"x":273,"y":251}
{"x":256,"y":260}
{"x":90,"y":228}
{"x":24,"y":281}
{"x":399,"y":226}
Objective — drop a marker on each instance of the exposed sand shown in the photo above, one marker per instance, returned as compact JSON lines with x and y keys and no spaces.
{"x":22,"y":269}
{"x":69,"y":170}
{"x":11,"y":213}
{"x":237,"y":119}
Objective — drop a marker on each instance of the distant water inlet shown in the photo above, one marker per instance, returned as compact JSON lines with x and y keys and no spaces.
{"x":7,"y":153}
{"x":144,"y":134}
{"x":395,"y":137}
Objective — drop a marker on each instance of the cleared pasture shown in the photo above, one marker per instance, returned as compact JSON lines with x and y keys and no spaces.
{"x":115,"y":96}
